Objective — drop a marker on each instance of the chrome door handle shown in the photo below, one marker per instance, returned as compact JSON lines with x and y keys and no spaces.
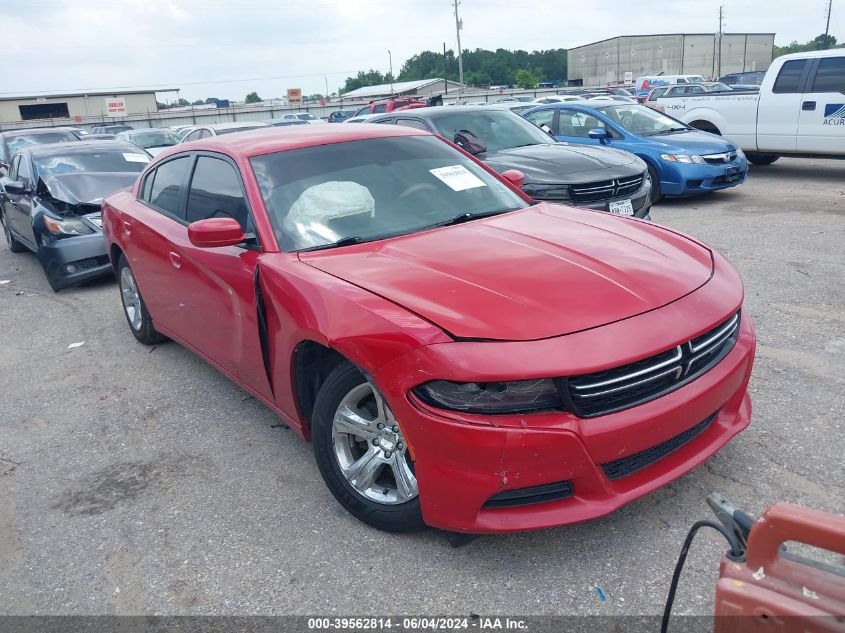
{"x":127,"y":228}
{"x":175,"y":260}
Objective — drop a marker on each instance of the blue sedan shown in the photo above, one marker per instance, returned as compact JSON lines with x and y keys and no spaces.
{"x":682,"y":161}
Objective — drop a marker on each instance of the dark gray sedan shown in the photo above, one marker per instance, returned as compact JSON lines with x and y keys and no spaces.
{"x":593,"y":177}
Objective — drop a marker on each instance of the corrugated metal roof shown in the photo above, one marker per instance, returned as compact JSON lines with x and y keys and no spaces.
{"x":397,"y":87}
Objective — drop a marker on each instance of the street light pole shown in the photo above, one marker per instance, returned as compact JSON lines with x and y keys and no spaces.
{"x":326,"y":79}
{"x":390,"y":56}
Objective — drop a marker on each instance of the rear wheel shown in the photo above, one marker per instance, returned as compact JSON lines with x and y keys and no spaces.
{"x":761,"y":159}
{"x":656,"y":194}
{"x":134,"y":307}
{"x":14,"y":245}
{"x":362,"y":454}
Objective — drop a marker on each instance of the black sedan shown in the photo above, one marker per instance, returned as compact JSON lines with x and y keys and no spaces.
{"x":51,"y":199}
{"x":13,"y":140}
{"x":593,"y":177}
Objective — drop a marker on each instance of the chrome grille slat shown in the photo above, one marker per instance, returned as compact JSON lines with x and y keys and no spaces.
{"x":606,"y":189}
{"x":635,"y":374}
{"x":623,"y":387}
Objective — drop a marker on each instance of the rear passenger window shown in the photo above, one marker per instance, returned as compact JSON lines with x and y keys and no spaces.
{"x":830,"y":76}
{"x":167,"y":185}
{"x":414,"y":123}
{"x":789,"y":77}
{"x":216,"y":193}
{"x":381,"y":107}
{"x":148,"y":187}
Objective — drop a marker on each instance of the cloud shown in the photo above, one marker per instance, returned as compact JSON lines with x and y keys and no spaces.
{"x":220,"y":47}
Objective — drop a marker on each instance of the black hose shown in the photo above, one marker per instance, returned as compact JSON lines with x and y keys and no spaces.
{"x":682,"y":558}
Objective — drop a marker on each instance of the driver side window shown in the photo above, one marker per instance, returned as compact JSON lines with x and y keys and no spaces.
{"x":544,"y":117}
{"x":216,"y":192}
{"x":577,"y":124}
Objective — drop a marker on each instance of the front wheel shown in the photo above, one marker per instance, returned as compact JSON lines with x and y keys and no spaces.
{"x":134,"y":307}
{"x":761,"y":159}
{"x":14,"y":245}
{"x":362,"y":454}
{"x":656,"y":194}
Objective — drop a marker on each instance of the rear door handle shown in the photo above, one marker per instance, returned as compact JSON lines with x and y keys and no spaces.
{"x":175,"y":260}
{"x":808,"y":105}
{"x":127,"y":228}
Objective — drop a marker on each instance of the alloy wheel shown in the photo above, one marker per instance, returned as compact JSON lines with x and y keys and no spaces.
{"x":370,"y":448}
{"x":131,"y":298}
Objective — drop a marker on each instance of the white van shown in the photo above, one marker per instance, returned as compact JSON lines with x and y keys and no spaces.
{"x":647,"y":82}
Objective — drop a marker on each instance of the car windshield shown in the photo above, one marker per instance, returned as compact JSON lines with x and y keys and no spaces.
{"x":95,"y":160}
{"x":155,"y":138}
{"x":497,"y":129}
{"x":372,"y":189}
{"x":26,"y":140}
{"x":641,"y":120}
{"x":718,"y":87}
{"x":306,"y":116}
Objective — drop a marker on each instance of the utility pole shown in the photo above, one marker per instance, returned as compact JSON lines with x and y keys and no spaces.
{"x":390,"y":56}
{"x":721,"y":25}
{"x":827,"y":26}
{"x":458,"y":26}
{"x":445,"y":70}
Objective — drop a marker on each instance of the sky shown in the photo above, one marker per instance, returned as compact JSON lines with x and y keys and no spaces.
{"x":228,"y":48}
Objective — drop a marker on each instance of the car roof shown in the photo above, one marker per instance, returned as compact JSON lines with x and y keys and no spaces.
{"x":278,"y":139}
{"x":149,"y":129}
{"x":35,"y":130}
{"x":79,"y":146}
{"x":229,"y":126}
{"x":434,"y":112}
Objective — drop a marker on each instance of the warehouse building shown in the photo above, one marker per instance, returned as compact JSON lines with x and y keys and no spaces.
{"x":77,"y":107}
{"x":622,"y":59}
{"x":423,"y":88}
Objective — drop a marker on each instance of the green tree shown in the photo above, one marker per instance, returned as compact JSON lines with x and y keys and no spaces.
{"x":198,"y":102}
{"x":252,"y":97}
{"x":817,"y":43}
{"x":526,"y":79}
{"x":369,"y":78}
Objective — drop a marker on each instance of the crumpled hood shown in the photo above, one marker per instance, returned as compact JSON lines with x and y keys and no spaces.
{"x":560,"y":163}
{"x":694,"y":143}
{"x":541,"y":272}
{"x":84,"y":188}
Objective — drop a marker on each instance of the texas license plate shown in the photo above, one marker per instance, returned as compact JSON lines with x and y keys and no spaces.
{"x":621,"y":207}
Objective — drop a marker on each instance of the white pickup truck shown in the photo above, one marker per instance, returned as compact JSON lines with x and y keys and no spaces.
{"x":799,"y":110}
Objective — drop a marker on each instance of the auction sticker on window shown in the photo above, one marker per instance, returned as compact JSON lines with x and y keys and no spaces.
{"x":457,"y":177}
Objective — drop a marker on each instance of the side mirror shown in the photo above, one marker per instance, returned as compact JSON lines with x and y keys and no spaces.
{"x":16,"y":188}
{"x":515,"y":177}
{"x":599,"y":134}
{"x":215,"y":232}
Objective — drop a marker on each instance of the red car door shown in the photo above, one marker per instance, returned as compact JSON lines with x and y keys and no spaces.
{"x":218,"y":313}
{"x":152,"y":230}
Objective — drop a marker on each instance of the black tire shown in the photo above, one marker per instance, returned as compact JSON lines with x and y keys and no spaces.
{"x":656,"y":194}
{"x":14,"y":245}
{"x":761,"y":159}
{"x":143,"y":329}
{"x":397,"y":517}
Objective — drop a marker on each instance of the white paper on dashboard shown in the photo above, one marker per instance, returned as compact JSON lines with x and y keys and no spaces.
{"x":457,"y":177}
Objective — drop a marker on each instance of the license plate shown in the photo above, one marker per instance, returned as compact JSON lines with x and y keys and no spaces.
{"x":621,"y":207}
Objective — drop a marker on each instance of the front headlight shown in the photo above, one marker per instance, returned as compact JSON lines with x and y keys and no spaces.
{"x":67,"y":226}
{"x":547,"y":192}
{"x":683,"y":158}
{"x":516,"y":396}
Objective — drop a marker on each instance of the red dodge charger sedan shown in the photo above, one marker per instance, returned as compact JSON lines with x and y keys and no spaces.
{"x":459,"y":356}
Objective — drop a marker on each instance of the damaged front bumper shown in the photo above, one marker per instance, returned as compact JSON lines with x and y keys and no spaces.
{"x":74,"y":260}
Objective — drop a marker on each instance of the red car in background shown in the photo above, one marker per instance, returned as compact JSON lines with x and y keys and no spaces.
{"x":389,"y":105}
{"x":459,"y":355}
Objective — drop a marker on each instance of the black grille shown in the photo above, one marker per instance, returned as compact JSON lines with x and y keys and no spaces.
{"x":528,"y":496}
{"x":623,"y":387}
{"x":627,"y":465}
{"x":92,"y":262}
{"x":606,"y":189}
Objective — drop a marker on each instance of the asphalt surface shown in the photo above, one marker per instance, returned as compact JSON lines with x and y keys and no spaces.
{"x":140,"y":481}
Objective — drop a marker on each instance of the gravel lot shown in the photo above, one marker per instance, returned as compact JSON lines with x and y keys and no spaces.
{"x":137,"y":481}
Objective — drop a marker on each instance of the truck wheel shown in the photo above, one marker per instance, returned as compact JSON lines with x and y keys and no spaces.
{"x":756,"y":158}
